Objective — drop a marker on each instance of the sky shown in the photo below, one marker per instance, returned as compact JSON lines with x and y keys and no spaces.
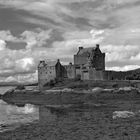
{"x":34,"y":30}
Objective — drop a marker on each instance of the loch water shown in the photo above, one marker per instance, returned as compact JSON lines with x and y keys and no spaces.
{"x":12,"y":116}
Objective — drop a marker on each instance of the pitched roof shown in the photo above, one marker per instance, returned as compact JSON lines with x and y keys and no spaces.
{"x":86,"y":51}
{"x":48,"y":63}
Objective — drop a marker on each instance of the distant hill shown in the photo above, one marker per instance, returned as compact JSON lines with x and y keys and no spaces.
{"x":133,"y":74}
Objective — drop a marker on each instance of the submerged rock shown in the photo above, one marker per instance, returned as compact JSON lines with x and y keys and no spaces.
{"x":123,"y":114}
{"x":126,"y":89}
{"x":67,"y":90}
{"x":97,"y":89}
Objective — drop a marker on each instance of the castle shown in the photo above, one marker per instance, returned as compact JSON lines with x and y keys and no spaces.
{"x":89,"y":64}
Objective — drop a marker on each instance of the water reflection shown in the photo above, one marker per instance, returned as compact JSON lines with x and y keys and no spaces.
{"x":59,"y":116}
{"x":27,"y":109}
{"x":75,"y":121}
{"x":48,"y":114}
{"x":12,"y":116}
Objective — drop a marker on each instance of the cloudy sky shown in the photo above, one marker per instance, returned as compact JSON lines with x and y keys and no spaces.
{"x":32,"y":30}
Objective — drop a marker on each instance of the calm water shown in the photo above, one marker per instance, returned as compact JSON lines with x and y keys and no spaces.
{"x":12,"y":116}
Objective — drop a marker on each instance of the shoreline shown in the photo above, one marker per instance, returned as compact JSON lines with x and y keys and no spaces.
{"x":68,"y":96}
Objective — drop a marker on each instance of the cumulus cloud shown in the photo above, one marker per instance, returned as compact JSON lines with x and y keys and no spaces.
{"x":24,"y":64}
{"x":23,"y":61}
{"x":122,"y":57}
{"x":2,"y":45}
{"x":13,"y":62}
{"x":7,"y":36}
{"x":38,"y":38}
{"x":23,"y":78}
{"x":28,"y":78}
{"x":120,"y":52}
{"x":97,"y":35}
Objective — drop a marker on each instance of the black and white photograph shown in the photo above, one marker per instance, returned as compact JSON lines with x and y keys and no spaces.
{"x":69,"y":69}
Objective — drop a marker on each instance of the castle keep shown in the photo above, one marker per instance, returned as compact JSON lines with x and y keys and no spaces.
{"x":90,"y":56}
{"x":89,"y":64}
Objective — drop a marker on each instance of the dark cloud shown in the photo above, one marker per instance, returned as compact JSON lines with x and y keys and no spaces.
{"x":86,"y":6}
{"x":78,"y":22}
{"x":16,"y":45}
{"x":55,"y":36}
{"x":15,"y":20}
{"x":9,"y":20}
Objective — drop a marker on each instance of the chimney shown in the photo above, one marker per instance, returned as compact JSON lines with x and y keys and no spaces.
{"x":80,"y":48}
{"x":70,"y":63}
{"x":42,"y":61}
{"x":97,"y":46}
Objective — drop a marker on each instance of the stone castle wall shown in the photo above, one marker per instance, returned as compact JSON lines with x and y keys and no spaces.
{"x":95,"y":75}
{"x":99,"y":62}
{"x":45,"y":74}
{"x":80,"y":59}
{"x":92,"y":74}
